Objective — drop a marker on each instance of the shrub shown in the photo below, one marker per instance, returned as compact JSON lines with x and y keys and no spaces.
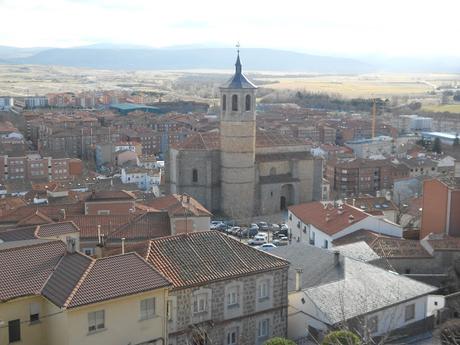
{"x":279,"y":341}
{"x":341,"y":338}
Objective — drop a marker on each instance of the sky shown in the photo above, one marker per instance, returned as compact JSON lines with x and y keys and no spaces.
{"x":329,"y":27}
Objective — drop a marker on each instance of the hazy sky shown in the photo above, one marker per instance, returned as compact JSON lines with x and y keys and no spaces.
{"x":345,"y":27}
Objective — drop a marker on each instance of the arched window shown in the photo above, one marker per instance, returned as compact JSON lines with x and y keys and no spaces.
{"x":273,"y":171}
{"x":248,"y":103}
{"x":224,"y":102}
{"x":195,"y":175}
{"x":234,"y":103}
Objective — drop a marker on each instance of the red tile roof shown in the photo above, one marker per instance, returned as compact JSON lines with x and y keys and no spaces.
{"x":116,"y":276}
{"x":201,"y":257}
{"x":326,"y":217}
{"x":143,"y":227}
{"x":56,"y":229}
{"x":25,"y":270}
{"x":41,"y":267}
{"x":178,"y":205}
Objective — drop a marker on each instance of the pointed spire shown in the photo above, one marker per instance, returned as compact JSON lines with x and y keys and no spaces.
{"x":238,"y":64}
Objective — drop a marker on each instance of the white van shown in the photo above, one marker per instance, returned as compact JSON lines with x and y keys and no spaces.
{"x":258,"y":239}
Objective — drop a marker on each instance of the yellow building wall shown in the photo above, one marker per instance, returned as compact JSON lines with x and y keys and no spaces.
{"x":122,"y":322}
{"x":70,"y":327}
{"x":20,"y":309}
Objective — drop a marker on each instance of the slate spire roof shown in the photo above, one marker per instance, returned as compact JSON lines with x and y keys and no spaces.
{"x":239,"y":80}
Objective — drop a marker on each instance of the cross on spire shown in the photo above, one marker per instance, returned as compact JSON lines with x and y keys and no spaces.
{"x":238,"y":63}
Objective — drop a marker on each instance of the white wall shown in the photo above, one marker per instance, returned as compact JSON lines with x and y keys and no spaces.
{"x":376,"y":224}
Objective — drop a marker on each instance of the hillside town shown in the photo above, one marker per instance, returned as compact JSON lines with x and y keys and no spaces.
{"x":125,"y":219}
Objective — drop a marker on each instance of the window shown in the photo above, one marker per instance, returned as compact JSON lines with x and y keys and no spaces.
{"x":263,"y":289}
{"x":248,"y":103}
{"x":224,"y":102}
{"x":290,"y":216}
{"x":373,"y":324}
{"x":14,"y":330}
{"x":312,"y":238}
{"x":262,"y":330}
{"x":233,"y":296}
{"x":232,"y":336}
{"x":325,"y":245}
{"x":195,"y":175}
{"x":298,"y":224}
{"x":234,"y":103}
{"x":169,"y":312}
{"x":88,"y":251}
{"x":148,"y":308}
{"x":103,"y":212}
{"x":409,"y":313}
{"x":200,"y":303}
{"x":96,"y":321}
{"x":34,"y":312}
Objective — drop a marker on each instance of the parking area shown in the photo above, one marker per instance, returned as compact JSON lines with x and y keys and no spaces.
{"x":262,"y":234}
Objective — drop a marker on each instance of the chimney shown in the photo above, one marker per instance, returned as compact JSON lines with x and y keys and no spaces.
{"x":336,"y":258}
{"x":122,"y":245}
{"x":71,"y":244}
{"x":327,"y":217}
{"x":99,"y":242}
{"x":354,"y":201}
{"x":62,"y":213}
{"x":351,"y":219}
{"x":298,"y":279}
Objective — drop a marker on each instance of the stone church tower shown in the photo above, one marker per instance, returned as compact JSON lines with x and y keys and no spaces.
{"x":238,"y":145}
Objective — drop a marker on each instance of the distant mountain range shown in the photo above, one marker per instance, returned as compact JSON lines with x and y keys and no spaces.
{"x":130,"y":57}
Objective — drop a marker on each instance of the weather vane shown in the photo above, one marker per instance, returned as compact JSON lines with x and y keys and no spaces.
{"x":238,"y":47}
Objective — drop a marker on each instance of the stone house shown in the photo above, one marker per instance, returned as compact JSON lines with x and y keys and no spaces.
{"x":224,"y":292}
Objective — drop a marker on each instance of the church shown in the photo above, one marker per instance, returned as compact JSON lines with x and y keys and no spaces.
{"x":241,"y":171}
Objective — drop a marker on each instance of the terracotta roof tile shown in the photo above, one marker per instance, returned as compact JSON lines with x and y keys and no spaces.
{"x":56,"y":229}
{"x":144,"y":227}
{"x":26,"y":269}
{"x":18,"y":234}
{"x":178,"y":205}
{"x":117,"y":276}
{"x":109,"y":223}
{"x":326,"y":217}
{"x":202,"y":257}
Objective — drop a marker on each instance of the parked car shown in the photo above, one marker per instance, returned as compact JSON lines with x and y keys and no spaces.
{"x":250,"y":232}
{"x":222,"y":227}
{"x":263,"y":226}
{"x":258,"y":240}
{"x":234,"y":230}
{"x":214,"y":224}
{"x":254,"y":226}
{"x":266,"y":246}
{"x":281,"y":233}
{"x":284,"y":227}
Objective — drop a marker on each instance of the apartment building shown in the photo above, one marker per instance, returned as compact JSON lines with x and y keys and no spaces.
{"x":51,"y":294}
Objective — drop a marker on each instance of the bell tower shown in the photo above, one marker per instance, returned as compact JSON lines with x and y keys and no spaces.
{"x":237,"y":145}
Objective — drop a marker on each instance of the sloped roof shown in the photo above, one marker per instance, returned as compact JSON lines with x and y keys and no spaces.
{"x":25,"y":269}
{"x":211,"y":141}
{"x":111,"y":196}
{"x":18,"y":234}
{"x":143,"y":227}
{"x":326,"y":217}
{"x":358,"y":251}
{"x":385,"y":246}
{"x":178,"y":205}
{"x":238,"y":80}
{"x":42,"y":267}
{"x":364,"y":289}
{"x":109,"y":223}
{"x":56,"y":229}
{"x":203,"y":257}
{"x":116,"y":276}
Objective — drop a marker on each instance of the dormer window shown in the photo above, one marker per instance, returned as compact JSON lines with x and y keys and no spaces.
{"x":234,"y":103}
{"x":248,"y":103}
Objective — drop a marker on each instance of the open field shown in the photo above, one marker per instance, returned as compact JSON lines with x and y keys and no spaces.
{"x":440,"y":108}
{"x":23,"y":80}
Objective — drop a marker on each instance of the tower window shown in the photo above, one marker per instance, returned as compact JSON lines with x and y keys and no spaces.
{"x":224,"y":102}
{"x":195,"y":175}
{"x":248,"y":103}
{"x":234,"y":103}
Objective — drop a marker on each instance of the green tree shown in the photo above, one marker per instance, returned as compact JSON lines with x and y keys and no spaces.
{"x":279,"y":341}
{"x":436,"y":145}
{"x":341,"y":338}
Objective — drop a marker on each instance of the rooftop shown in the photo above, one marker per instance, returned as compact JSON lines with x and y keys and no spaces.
{"x":239,"y":80}
{"x":203,"y":257}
